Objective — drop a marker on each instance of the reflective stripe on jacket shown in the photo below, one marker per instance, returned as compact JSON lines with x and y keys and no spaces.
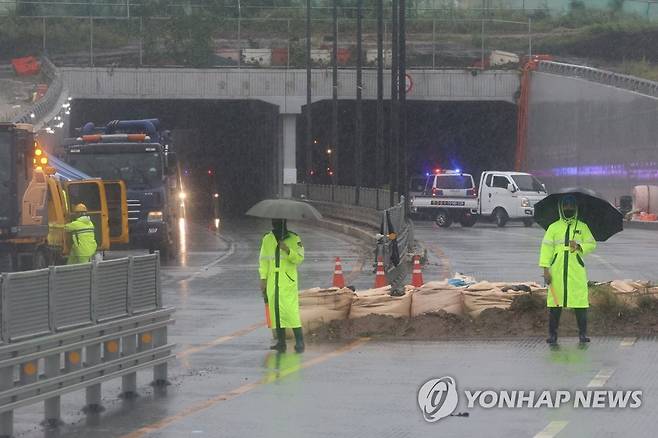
{"x":282,"y":285}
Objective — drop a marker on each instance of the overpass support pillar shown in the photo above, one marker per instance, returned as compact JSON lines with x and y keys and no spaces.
{"x":288,"y":154}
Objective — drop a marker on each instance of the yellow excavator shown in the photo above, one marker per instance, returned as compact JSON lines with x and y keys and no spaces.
{"x":37,"y":193}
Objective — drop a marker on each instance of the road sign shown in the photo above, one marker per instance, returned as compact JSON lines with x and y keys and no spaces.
{"x":409,"y":82}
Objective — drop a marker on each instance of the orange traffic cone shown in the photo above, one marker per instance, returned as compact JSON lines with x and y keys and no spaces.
{"x":380,"y":276}
{"x":417,"y":273}
{"x":339,"y":280}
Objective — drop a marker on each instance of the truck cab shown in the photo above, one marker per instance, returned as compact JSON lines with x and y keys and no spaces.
{"x":151,"y":178}
{"x":506,"y":196}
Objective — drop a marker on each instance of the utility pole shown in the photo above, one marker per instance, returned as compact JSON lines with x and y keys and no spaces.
{"x":393,"y":144}
{"x":379,"y":142}
{"x":402,"y":96}
{"x":309,"y":120}
{"x":358,"y":150}
{"x":334,"y":97}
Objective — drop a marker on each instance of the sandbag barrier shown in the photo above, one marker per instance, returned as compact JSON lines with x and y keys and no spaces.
{"x":322,"y":306}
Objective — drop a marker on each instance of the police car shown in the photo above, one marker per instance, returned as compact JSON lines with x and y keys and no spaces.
{"x":448,"y":196}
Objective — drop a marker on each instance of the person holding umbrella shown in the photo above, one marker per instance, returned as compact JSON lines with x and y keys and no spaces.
{"x":281,"y":252}
{"x":574,"y":221}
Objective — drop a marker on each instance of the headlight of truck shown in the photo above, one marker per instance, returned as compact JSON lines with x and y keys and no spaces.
{"x":154,"y":216}
{"x":525,"y":202}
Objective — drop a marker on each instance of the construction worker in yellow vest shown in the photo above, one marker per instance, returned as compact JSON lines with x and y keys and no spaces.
{"x":281,"y":252}
{"x":83,"y":240}
{"x":566,"y":242}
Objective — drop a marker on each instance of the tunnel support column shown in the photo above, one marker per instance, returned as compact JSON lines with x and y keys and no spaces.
{"x":288,"y":152}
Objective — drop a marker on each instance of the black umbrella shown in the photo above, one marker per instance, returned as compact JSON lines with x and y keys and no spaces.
{"x":602,"y":218}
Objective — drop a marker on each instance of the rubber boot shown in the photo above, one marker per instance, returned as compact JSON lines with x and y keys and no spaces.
{"x":581,"y":319}
{"x":299,"y":340}
{"x":553,"y":324}
{"x":280,"y":345}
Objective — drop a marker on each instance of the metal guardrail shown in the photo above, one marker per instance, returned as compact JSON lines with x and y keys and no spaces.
{"x":102,"y":320}
{"x":46,"y":104}
{"x":378,"y":199}
{"x":626,"y":82}
{"x":373,"y":210}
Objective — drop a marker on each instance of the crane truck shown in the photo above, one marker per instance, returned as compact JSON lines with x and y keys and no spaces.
{"x":37,"y":193}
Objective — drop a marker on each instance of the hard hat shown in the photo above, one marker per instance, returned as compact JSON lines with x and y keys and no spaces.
{"x":80,"y":208}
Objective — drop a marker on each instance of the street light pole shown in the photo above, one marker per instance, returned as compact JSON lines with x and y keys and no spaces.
{"x":309,"y":120}
{"x":402,"y":96}
{"x":239,"y":36}
{"x":379,"y":143}
{"x":393,"y":144}
{"x":334,"y":96}
{"x":358,"y":150}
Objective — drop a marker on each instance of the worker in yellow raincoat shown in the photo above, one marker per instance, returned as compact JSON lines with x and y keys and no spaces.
{"x":83,"y":239}
{"x":281,"y":252}
{"x":566,"y":242}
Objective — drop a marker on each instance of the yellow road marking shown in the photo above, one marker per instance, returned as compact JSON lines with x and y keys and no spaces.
{"x":553,"y":428}
{"x":601,"y":378}
{"x":628,"y":342}
{"x":183,"y":354}
{"x":198,"y":407}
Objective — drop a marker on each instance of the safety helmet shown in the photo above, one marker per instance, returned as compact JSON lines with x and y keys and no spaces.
{"x":80,"y":208}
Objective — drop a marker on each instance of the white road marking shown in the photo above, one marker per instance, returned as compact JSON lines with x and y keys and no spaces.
{"x":628,"y":342}
{"x":601,"y":378}
{"x":608,"y":265}
{"x":553,"y":428}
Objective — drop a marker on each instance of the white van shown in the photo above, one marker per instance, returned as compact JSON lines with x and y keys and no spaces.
{"x":505,"y":196}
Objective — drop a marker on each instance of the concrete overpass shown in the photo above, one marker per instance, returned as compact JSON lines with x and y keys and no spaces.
{"x":282,"y":87}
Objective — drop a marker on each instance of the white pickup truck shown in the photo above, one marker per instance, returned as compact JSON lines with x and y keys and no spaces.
{"x":450,"y":196}
{"x":505,"y":196}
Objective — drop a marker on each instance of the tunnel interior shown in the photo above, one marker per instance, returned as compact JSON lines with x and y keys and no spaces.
{"x":231,"y":147}
{"x":224,"y":147}
{"x":471,"y":136}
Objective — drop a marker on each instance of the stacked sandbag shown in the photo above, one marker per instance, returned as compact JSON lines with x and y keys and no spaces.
{"x":485,"y":295}
{"x":320,"y":306}
{"x":437,"y":296}
{"x":380,"y":302}
{"x":628,"y":292}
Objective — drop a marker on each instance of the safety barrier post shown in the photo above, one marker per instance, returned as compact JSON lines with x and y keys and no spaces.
{"x":160,"y":371}
{"x":129,"y":343}
{"x":93,"y":352}
{"x":129,"y":381}
{"x":6,"y":373}
{"x":52,"y":406}
{"x":93,"y":392}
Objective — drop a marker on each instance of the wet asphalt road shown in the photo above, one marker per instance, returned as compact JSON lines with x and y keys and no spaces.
{"x":487,"y":252}
{"x":226,"y":383}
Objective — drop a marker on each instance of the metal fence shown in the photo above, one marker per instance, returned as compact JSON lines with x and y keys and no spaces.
{"x":443,"y":41}
{"x":631,"y":83}
{"x":378,"y":199}
{"x":102,"y":320}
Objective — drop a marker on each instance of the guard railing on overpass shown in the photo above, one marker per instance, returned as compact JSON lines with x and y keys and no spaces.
{"x":48,"y":103}
{"x":392,"y":229}
{"x":101,"y":320}
{"x":605,"y":77}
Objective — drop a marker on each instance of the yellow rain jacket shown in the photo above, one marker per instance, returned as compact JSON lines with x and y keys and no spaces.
{"x":569,"y":277}
{"x":282,"y":286}
{"x":83,"y":240}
